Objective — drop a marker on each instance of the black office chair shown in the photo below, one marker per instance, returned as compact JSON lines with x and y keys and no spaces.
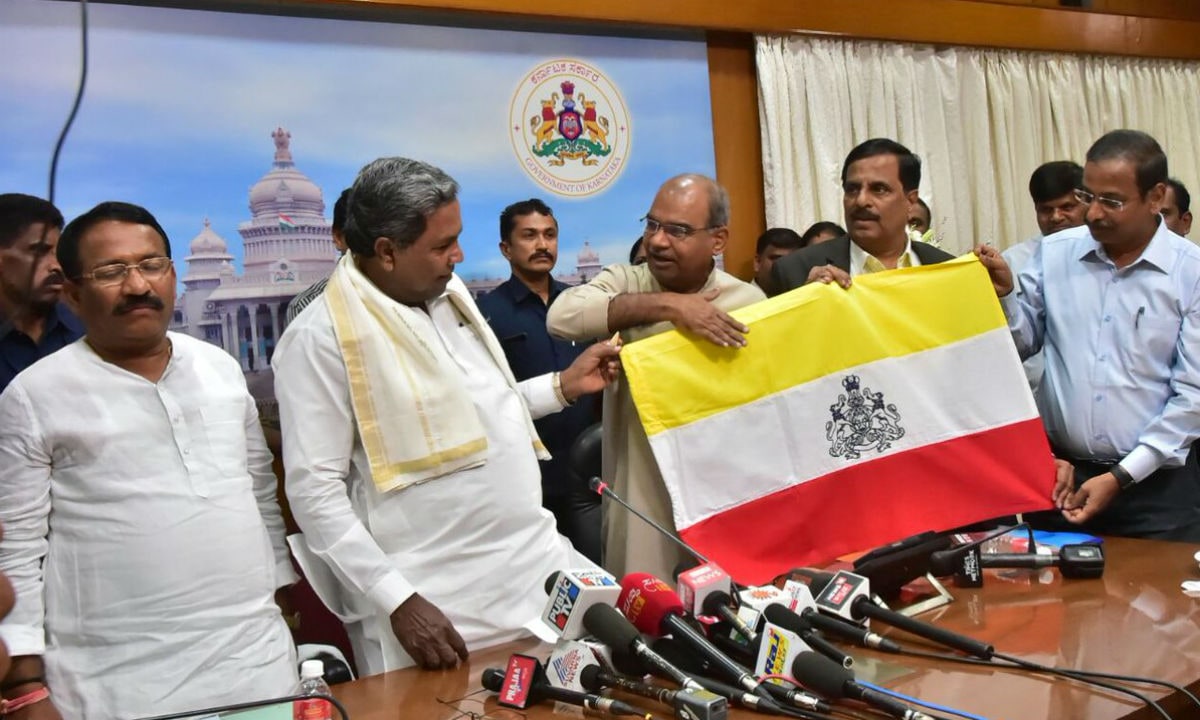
{"x":586,"y":456}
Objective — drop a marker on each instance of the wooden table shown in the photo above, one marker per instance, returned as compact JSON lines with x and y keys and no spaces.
{"x":1134,"y":620}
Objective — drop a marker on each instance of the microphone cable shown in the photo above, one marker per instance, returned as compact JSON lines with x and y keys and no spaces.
{"x":79,"y":91}
{"x":1083,"y":676}
{"x":923,"y":703}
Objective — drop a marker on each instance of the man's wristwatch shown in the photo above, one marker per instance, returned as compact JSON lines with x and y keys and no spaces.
{"x":1124,"y":479}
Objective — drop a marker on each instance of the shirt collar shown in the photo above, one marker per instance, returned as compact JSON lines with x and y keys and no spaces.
{"x":858,"y":256}
{"x":59,"y":315}
{"x":519,"y":291}
{"x":1158,"y":253}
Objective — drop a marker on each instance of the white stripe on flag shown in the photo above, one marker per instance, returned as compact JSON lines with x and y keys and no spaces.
{"x":927,"y":389}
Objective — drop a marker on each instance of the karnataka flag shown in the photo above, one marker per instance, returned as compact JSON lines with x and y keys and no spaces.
{"x":853,"y":418}
{"x":286,"y":222}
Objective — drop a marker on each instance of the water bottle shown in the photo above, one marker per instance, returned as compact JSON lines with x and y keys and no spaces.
{"x":312,"y":682}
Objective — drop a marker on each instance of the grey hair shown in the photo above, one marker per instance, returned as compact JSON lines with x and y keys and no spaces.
{"x":392,"y":197}
{"x":718,"y":198}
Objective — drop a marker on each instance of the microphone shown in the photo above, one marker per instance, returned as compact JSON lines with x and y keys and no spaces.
{"x":846,"y":596}
{"x":1073,"y":561}
{"x":571,"y":593}
{"x":516,"y":689}
{"x":720,"y":604}
{"x":827,"y":678}
{"x":654,"y":608}
{"x":601,"y":488}
{"x":782,"y":617}
{"x":687,"y":704}
{"x":612,"y":629}
{"x":851,"y":632}
{"x":675,"y":654}
{"x":947,"y":562}
{"x":238,"y":707}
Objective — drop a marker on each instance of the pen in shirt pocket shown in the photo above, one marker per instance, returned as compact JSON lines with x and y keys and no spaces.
{"x":1137,"y":319}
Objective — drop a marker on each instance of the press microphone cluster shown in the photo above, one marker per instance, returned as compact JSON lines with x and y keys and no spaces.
{"x":520,"y":688}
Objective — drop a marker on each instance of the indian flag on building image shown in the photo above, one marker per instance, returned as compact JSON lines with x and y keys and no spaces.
{"x":286,"y":222}
{"x":852,"y":419}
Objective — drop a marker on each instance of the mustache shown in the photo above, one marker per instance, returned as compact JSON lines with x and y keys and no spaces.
{"x":1099,"y":224}
{"x":863,"y":215}
{"x":541,"y":254}
{"x":54,"y":278}
{"x":141,"y":301}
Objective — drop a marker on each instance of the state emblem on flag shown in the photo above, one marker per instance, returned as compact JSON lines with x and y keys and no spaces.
{"x":570,"y":128}
{"x":861,"y":422}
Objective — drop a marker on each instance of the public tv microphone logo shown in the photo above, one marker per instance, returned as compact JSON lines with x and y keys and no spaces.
{"x":595,"y":578}
{"x":566,"y":593}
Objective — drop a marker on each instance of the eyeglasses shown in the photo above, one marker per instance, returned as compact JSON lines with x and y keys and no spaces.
{"x":675,"y":232}
{"x":1088,"y":198}
{"x":114,"y":274}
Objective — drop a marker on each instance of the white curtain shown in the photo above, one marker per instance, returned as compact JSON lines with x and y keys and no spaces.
{"x":981,"y":120}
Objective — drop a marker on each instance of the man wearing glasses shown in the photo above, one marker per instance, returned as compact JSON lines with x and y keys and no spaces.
{"x":678,"y":287}
{"x":1116,"y":305}
{"x":141,"y":530}
{"x":880,"y":178}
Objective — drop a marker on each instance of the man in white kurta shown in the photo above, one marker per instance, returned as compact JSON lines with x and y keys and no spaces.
{"x":470,"y":539}
{"x":141,"y":532}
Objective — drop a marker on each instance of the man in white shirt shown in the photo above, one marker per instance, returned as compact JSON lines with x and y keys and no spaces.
{"x":412,"y":463}
{"x":142,"y":533}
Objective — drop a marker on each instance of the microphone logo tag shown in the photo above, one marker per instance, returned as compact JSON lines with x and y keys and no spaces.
{"x":565,"y":596}
{"x":595,"y":578}
{"x":519,"y":677}
{"x":840,"y":591}
{"x":777,"y":652}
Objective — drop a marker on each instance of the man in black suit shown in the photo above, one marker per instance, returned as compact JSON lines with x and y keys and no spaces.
{"x":879,"y":186}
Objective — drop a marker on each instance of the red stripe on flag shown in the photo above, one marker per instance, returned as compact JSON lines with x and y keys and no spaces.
{"x":997,"y":472}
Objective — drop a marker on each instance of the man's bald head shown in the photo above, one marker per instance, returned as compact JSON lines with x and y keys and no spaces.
{"x":685,"y":227}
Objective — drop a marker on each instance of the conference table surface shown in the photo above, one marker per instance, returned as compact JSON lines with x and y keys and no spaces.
{"x":1134,"y":620}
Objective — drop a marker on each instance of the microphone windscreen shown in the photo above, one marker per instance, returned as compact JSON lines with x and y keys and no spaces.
{"x":610,"y":627}
{"x":777,"y":614}
{"x":589,"y":678}
{"x":716,"y":599}
{"x":551,"y":580}
{"x":492,"y":679}
{"x":679,"y":656}
{"x":646,"y":600}
{"x":821,"y":674}
{"x":946,"y":562}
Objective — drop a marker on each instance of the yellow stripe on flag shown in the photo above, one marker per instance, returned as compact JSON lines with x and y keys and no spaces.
{"x":809,"y":333}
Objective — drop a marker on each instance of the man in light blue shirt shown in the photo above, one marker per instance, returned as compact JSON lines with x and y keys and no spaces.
{"x":1115,"y":305}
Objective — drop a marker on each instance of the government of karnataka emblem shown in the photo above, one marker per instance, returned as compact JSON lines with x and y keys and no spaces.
{"x":580,"y":136}
{"x":861,"y":422}
{"x":570,"y":128}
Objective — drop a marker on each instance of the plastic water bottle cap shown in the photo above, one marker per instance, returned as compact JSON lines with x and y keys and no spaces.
{"x":311,"y":669}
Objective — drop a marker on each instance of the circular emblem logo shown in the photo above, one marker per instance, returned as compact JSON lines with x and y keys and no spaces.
{"x":569,"y":128}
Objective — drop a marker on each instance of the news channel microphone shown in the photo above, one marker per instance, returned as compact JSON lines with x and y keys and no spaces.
{"x":801,"y":637}
{"x":571,"y":593}
{"x":1075,"y":561}
{"x":612,"y":628}
{"x":848,"y":596}
{"x":827,"y":678}
{"x":654,"y":608}
{"x":687,"y":704}
{"x":679,"y":656}
{"x":522,"y":684}
{"x":806,"y":607}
